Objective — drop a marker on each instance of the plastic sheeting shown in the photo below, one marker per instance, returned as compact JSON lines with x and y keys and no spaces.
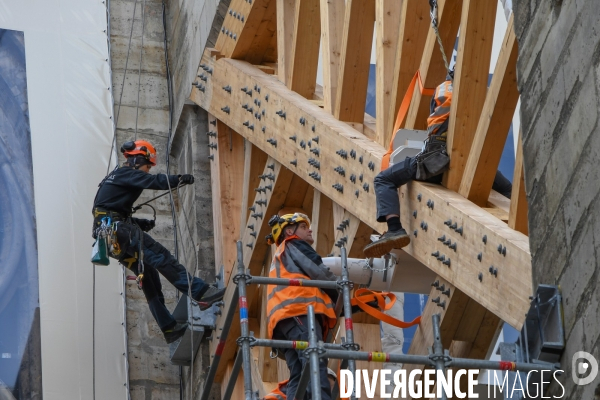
{"x":70,"y":113}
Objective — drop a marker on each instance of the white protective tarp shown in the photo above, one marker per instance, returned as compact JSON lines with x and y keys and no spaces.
{"x":70,"y":106}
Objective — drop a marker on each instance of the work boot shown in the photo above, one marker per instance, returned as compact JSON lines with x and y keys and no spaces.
{"x":176,"y":332}
{"x":211,"y":296}
{"x":387,"y":242}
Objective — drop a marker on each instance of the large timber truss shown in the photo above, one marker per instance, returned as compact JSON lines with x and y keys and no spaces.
{"x":279,"y":140}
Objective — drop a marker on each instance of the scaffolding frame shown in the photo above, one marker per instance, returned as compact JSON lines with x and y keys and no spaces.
{"x":438,"y":357}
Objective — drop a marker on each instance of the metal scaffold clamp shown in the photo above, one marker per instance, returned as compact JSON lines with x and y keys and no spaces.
{"x":239,"y":276}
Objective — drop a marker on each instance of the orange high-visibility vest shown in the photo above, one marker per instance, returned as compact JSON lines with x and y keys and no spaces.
{"x":292,"y":301}
{"x":277,"y":394}
{"x":443,"y":99}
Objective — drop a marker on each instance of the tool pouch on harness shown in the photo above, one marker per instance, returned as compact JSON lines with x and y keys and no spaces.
{"x":433,"y":160}
{"x":100,"y":251}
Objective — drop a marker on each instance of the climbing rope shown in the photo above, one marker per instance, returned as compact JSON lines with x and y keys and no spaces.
{"x":137,"y":106}
{"x":434,"y":23}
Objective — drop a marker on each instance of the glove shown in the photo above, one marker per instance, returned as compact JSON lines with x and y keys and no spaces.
{"x":145,"y":224}
{"x":186,"y":179}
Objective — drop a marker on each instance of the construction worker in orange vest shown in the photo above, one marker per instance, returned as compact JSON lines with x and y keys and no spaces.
{"x":428,"y":166}
{"x":287,"y":305}
{"x":279,"y":393}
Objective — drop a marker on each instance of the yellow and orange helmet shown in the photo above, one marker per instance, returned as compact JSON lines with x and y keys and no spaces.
{"x":140,"y":147}
{"x":278,"y":223}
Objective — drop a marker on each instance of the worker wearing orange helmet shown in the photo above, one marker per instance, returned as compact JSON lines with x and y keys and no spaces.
{"x":287,"y":305}
{"x":116,"y":195}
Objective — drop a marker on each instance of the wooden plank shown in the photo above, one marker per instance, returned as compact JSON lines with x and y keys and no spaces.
{"x":286,"y":12}
{"x":305,"y":48}
{"x":261,"y":46}
{"x":414,"y":25}
{"x":254,"y":164}
{"x":470,"y":83}
{"x":432,"y":68}
{"x":323,"y":218}
{"x":335,"y":135}
{"x":517,"y":217}
{"x":215,"y":186}
{"x":247,"y":30}
{"x":494,"y":123}
{"x":387,"y":21}
{"x":357,"y":38}
{"x":332,"y":23}
{"x":231,"y":151}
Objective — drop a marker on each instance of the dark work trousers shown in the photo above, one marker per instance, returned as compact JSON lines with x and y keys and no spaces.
{"x":296,"y":328}
{"x":389,"y":180}
{"x":158,"y":259}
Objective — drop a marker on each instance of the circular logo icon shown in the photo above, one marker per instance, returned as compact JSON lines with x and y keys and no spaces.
{"x":584,"y":368}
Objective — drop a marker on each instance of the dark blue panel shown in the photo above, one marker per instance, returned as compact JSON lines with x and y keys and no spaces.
{"x":20,"y":348}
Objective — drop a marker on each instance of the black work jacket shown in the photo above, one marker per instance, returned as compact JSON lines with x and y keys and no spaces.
{"x":122,"y":187}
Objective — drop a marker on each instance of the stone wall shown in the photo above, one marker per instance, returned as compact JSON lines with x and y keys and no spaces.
{"x":152,"y":376}
{"x":559,"y":80}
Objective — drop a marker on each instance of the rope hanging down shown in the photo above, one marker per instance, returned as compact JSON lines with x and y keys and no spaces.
{"x":434,"y":23}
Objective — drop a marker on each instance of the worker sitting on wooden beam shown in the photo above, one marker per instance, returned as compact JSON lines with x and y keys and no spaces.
{"x":128,"y":244}
{"x":287,"y":305}
{"x":427,"y":166}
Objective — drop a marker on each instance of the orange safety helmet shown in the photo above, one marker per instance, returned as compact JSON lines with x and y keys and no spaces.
{"x":140,"y":147}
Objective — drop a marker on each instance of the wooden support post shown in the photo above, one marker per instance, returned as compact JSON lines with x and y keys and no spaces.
{"x":322,"y":223}
{"x":470,"y":83}
{"x":247,"y":30}
{"x":305,"y":48}
{"x":517,"y":217}
{"x":254,"y":164}
{"x":432,"y":68}
{"x":387,"y":24}
{"x":215,"y":185}
{"x":231,"y":151}
{"x":353,"y":79}
{"x":332,"y":23}
{"x":494,"y":123}
{"x":286,"y":11}
{"x":255,"y":251}
{"x":413,"y":27}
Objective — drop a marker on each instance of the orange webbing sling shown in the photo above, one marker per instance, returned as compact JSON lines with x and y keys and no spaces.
{"x":364,"y":296}
{"x":404,"y":106}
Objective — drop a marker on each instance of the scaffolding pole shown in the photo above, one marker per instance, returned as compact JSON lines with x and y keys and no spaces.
{"x":438,"y":357}
{"x":245,"y":339}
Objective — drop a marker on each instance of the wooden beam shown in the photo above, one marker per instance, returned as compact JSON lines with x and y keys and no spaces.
{"x":414,"y":26}
{"x":267,"y":366}
{"x":286,"y":11}
{"x":470,"y":83}
{"x":494,"y":123}
{"x":387,"y":21}
{"x":305,"y":48}
{"x":432,"y":68}
{"x":215,"y":186}
{"x":322,"y":223}
{"x":357,"y":40}
{"x":247,"y":30}
{"x":254,"y":164}
{"x":517,"y":216}
{"x":332,"y":23}
{"x":231,"y":151}
{"x":334,"y":135}
{"x":255,"y":251}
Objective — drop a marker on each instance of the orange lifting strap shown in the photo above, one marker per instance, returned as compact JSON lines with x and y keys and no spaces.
{"x":404,"y":106}
{"x":364,"y":296}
